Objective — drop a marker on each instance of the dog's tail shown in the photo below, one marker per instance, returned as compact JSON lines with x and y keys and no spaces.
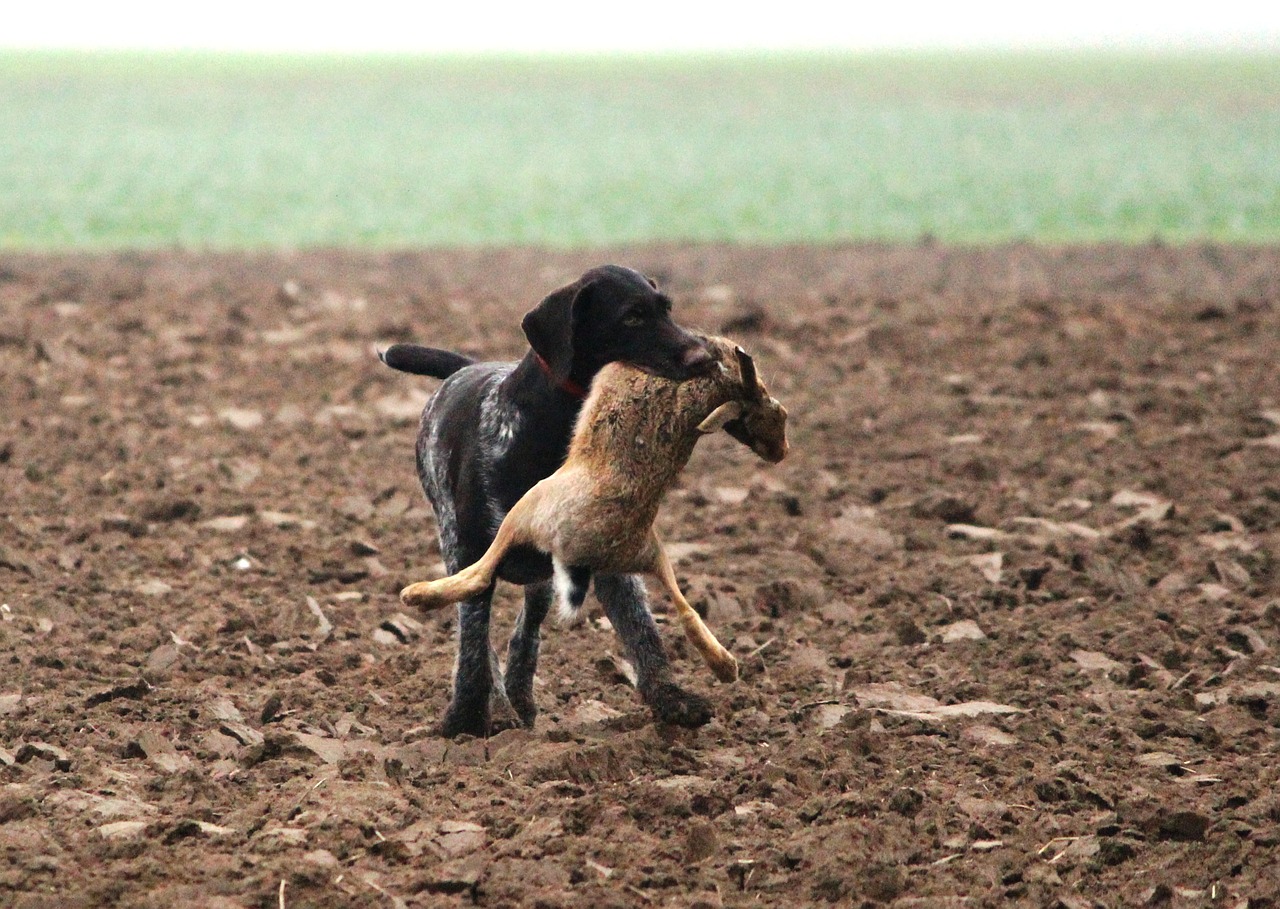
{"x":423,"y":361}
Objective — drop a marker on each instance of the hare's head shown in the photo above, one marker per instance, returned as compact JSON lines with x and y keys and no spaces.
{"x":755,"y":418}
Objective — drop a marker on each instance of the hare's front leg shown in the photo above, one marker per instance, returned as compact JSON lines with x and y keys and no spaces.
{"x":720,"y":660}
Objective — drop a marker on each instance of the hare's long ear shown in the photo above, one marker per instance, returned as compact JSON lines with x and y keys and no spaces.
{"x":549,"y":327}
{"x":750,"y":382}
{"x":726,"y":412}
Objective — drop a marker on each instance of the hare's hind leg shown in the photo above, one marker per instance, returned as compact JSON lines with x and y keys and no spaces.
{"x":720,"y":660}
{"x":517,"y":528}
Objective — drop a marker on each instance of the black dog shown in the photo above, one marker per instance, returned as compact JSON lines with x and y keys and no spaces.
{"x":491,"y":432}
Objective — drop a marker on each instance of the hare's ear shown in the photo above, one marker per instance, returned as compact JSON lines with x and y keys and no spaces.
{"x":750,"y":381}
{"x":729,"y":410}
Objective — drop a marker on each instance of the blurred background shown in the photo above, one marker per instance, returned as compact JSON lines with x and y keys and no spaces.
{"x":141,"y":124}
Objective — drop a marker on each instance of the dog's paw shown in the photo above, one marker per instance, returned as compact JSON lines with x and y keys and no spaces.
{"x":674,"y":706}
{"x":523,"y":704}
{"x":504,"y":715}
{"x":457,"y":722}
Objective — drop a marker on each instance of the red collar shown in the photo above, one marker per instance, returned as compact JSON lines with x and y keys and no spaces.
{"x":567,"y":385}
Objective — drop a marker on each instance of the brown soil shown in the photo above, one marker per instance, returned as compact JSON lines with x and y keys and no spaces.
{"x":1008,"y":615}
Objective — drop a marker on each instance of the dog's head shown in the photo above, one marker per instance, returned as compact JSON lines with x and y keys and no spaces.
{"x":612,"y":314}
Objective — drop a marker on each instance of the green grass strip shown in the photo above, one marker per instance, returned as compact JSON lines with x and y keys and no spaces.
{"x":144,"y":150}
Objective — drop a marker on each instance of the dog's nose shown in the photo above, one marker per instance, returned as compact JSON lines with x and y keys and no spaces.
{"x":696,"y":359}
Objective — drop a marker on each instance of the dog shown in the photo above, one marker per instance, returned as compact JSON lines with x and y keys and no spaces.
{"x":491,"y":431}
{"x":633,"y":437}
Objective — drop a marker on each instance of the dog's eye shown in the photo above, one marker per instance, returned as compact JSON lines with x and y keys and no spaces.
{"x":633,"y":321}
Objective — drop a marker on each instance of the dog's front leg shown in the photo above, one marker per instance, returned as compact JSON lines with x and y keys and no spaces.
{"x":625,"y":603}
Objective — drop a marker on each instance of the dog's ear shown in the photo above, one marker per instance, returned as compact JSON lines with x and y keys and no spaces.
{"x":549,"y":328}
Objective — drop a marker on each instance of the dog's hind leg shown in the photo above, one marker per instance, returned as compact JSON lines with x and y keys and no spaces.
{"x":473,"y":672}
{"x":479,"y":705}
{"x":720,"y":660}
{"x":522,"y":651}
